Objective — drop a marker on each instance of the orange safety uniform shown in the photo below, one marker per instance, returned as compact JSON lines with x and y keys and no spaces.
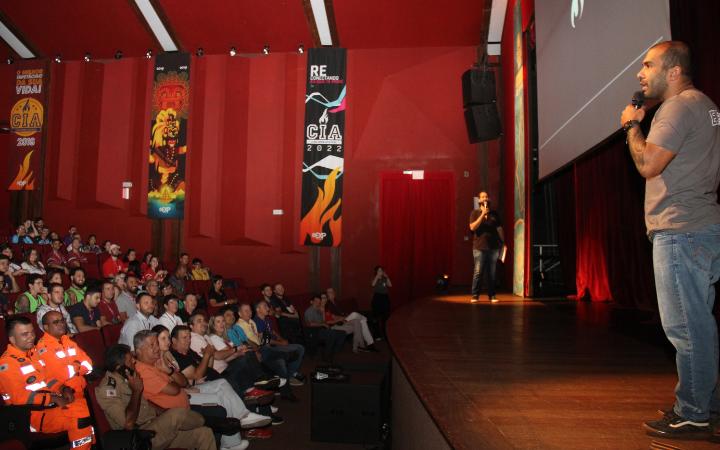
{"x":23,"y":381}
{"x":64,"y":361}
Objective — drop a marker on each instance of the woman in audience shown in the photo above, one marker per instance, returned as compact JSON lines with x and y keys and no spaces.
{"x":216,"y":296}
{"x":234,"y":332}
{"x":133,"y":265}
{"x":13,"y":268}
{"x":32,"y":264}
{"x":147,"y":256}
{"x":91,"y":246}
{"x":30,"y":229}
{"x":153,"y":271}
{"x":163,"y":337}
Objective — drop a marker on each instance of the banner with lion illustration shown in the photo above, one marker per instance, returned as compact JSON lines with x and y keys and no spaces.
{"x":323,"y":148}
{"x":168,"y":136}
{"x":27,"y":117}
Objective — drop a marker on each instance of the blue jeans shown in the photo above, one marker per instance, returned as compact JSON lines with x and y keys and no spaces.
{"x":485,"y":264}
{"x":686,"y":267}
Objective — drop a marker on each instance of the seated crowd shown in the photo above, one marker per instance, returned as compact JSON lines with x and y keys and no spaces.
{"x":178,"y":351}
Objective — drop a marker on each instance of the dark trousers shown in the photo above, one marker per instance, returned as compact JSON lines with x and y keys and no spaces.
{"x":291,"y":329}
{"x":485,"y":265}
{"x":334,"y":341}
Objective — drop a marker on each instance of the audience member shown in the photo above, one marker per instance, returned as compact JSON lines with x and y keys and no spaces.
{"x":170,"y":319}
{"x":199,"y":272}
{"x":216,"y":296}
{"x":113,"y":264}
{"x":184,"y":261}
{"x":13,"y":268}
{"x":147,"y":256}
{"x":142,"y":320}
{"x":119,"y":394}
{"x":124,"y":299}
{"x":287,"y":316}
{"x":190,"y":302}
{"x":53,"y":408}
{"x":85,"y":314}
{"x":74,"y":257}
{"x":67,"y":239}
{"x":55,"y":259}
{"x":56,"y":298}
{"x":153,"y":271}
{"x":109,"y":312}
{"x":354,"y":323}
{"x":315,"y":319}
{"x":21,"y":236}
{"x":91,"y":246}
{"x":30,"y":300}
{"x":76,"y":291}
{"x":177,"y":280}
{"x":163,"y":385}
{"x":10,"y":285}
{"x":44,"y":237}
{"x":131,"y":262}
{"x":32,"y":263}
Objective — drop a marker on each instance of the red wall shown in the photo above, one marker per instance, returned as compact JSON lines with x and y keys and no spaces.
{"x":244,"y":155}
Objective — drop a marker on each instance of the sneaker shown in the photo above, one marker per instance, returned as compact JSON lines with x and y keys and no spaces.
{"x":268,"y":383}
{"x":299,"y":376}
{"x":474,"y":299}
{"x":675,"y":427}
{"x":714,"y":416}
{"x":283,"y":381}
{"x":295,"y":382}
{"x":241,"y":446}
{"x":255,"y":396}
{"x":253,"y":420}
{"x":274,"y":409}
{"x":258,"y":433}
{"x":493,"y":299}
{"x":277,"y":420}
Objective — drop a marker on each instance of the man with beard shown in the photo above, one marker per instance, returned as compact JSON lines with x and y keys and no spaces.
{"x":55,"y":303}
{"x":114,"y":264}
{"x":56,"y":259}
{"x":142,"y":320}
{"x":125,"y":300}
{"x":86,"y":314}
{"x":76,"y":291}
{"x":680,"y":161}
{"x":487,"y":242}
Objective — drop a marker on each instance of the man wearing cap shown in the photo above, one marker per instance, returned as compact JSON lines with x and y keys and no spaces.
{"x":114,"y":264}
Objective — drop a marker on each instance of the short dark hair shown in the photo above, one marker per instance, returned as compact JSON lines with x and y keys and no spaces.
{"x":13,"y":321}
{"x":197,"y":261}
{"x":177,"y":329}
{"x":76,"y":270}
{"x":140,"y":295}
{"x":115,"y":356}
{"x":4,"y":257}
{"x":92,"y":290}
{"x":159,"y":329}
{"x":264,"y":285}
{"x":32,"y":278}
{"x":167,"y":299}
{"x":677,"y":53}
{"x":53,"y":286}
{"x":225,"y":309}
{"x":183,"y":254}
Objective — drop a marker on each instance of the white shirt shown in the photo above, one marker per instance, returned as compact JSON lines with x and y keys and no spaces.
{"x":32,"y":269}
{"x":198,"y":343}
{"x":44,"y":309}
{"x":136,"y":323}
{"x":170,"y":321}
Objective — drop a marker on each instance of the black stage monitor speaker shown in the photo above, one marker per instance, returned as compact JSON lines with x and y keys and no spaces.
{"x":483,"y":122}
{"x":478,"y":87}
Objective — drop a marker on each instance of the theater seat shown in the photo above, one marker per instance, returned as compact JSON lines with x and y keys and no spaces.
{"x":3,"y":336}
{"x":111,"y":334}
{"x":92,"y":342}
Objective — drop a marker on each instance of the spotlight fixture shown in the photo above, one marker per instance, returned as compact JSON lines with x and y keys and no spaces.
{"x":200,"y":51}
{"x":148,"y":54}
{"x":301,"y":49}
{"x":442,"y":282}
{"x":266,"y":50}
{"x":10,"y":59}
{"x":58,"y":58}
{"x":233,"y":51}
{"x":118,"y":54}
{"x":86,"y":58}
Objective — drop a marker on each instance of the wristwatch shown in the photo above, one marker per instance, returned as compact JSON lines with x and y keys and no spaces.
{"x":630,"y":124}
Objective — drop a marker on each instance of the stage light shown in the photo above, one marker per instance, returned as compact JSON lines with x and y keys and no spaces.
{"x":10,"y":60}
{"x":443,"y":282}
{"x":148,"y":54}
{"x":301,"y":49}
{"x":200,"y":52}
{"x":233,"y":51}
{"x":87,"y":58}
{"x":266,"y":49}
{"x":118,"y":54}
{"x":58,"y":58}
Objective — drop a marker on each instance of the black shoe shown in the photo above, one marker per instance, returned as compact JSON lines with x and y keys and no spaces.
{"x":372,"y":348}
{"x":277,"y":420}
{"x":673,"y":426}
{"x":268,"y":384}
{"x":714,"y":416}
{"x":300,"y":377}
{"x":363,"y":349}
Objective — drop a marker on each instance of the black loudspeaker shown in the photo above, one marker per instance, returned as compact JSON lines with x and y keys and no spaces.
{"x":349,"y":412}
{"x":478,"y":87}
{"x":483,"y":122}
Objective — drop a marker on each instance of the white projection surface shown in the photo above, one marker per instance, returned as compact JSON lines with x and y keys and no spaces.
{"x":588,"y":55}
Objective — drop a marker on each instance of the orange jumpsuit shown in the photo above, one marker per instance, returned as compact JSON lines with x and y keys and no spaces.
{"x":64,"y":361}
{"x":23,"y":381}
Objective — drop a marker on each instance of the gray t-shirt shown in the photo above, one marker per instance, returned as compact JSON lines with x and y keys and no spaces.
{"x":684,"y":196}
{"x":313,"y":315}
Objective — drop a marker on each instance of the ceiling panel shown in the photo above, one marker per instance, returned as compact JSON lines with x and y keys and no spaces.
{"x":74,"y":27}
{"x":247,"y":25}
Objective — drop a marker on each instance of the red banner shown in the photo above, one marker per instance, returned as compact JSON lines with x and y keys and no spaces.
{"x":27,"y":117}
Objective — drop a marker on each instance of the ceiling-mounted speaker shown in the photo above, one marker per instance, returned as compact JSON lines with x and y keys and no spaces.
{"x":478,"y":87}
{"x":483,"y":122}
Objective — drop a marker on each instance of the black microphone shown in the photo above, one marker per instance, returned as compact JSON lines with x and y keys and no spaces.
{"x":638,"y":99}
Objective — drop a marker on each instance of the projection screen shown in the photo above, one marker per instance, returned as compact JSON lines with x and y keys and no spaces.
{"x":588,"y":55}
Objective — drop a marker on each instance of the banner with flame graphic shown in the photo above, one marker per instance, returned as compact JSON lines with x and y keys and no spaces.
{"x":168,"y":136}
{"x":27,"y":117}
{"x":323,"y":148}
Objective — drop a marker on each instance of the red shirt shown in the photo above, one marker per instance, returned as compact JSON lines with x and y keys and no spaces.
{"x":109,"y":310}
{"x":113,"y":266}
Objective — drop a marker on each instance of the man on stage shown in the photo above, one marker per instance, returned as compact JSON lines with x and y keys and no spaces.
{"x":680,"y":160}
{"x":487,"y":242}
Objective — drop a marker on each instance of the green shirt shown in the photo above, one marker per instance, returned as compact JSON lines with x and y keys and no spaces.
{"x":34,"y":302}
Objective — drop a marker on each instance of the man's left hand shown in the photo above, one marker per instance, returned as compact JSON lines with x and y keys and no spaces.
{"x":630,"y":113}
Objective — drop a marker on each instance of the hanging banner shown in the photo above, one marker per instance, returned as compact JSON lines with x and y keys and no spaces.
{"x":27,"y":117}
{"x":168,"y":136}
{"x":323,"y":148}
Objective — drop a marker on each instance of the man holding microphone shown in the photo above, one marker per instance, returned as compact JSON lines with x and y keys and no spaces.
{"x":680,"y":161}
{"x":487,"y":242}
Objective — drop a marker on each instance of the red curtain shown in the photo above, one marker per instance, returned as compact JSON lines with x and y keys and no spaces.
{"x":416,"y":231}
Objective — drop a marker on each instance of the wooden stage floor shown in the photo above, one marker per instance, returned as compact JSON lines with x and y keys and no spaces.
{"x":530,"y":375}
